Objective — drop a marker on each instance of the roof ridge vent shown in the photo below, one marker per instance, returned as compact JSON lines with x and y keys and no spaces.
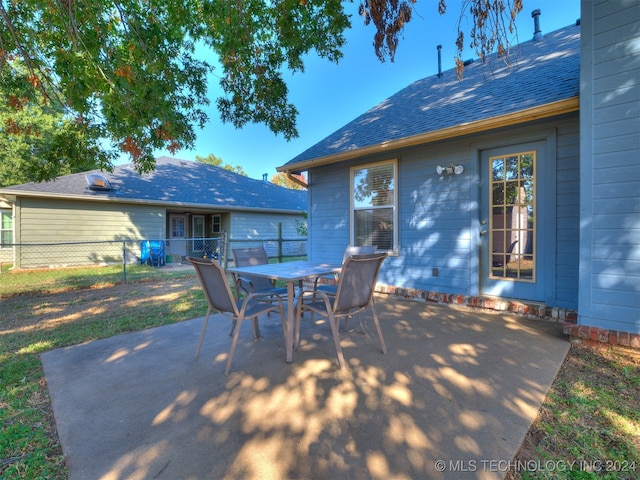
{"x":98,"y":182}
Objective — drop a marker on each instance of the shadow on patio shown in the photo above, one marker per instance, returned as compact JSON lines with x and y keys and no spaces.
{"x":453,"y":398}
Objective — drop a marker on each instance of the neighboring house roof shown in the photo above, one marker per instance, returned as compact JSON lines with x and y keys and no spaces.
{"x":543,"y":72}
{"x":173,"y":182}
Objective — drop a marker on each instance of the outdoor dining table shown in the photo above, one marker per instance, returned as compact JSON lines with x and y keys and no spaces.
{"x":291,"y":273}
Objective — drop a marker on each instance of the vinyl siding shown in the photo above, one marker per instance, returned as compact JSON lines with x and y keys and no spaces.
{"x":59,"y":221}
{"x":248,"y":226}
{"x":329,"y":217}
{"x":435,"y":220}
{"x":67,"y":221}
{"x":610,"y":106}
{"x":438,"y":215}
{"x":567,"y":214}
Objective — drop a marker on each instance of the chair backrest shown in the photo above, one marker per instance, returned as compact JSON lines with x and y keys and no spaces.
{"x":357,"y":281}
{"x":501,"y":260}
{"x":245,"y":257}
{"x":214,"y":284}
{"x":359,"y":250}
{"x":507,"y":257}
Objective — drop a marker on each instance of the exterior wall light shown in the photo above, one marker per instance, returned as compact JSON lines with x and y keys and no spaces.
{"x":449,"y":169}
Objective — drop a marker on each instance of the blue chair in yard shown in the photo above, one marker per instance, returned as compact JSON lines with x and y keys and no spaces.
{"x":152,"y":252}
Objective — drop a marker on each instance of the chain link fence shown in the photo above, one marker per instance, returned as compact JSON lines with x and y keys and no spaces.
{"x":48,"y":267}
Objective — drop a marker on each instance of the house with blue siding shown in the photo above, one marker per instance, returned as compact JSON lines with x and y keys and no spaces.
{"x":515,"y":187}
{"x":187,"y":205}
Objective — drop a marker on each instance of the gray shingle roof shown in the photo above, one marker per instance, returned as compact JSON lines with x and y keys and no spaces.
{"x":543,"y":72}
{"x":174,"y":181}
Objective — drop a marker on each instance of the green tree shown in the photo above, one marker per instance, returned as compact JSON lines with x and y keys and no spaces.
{"x":211,"y":159}
{"x":282,"y":180}
{"x":492,"y":23}
{"x":127,"y":73}
{"x":38,"y":142}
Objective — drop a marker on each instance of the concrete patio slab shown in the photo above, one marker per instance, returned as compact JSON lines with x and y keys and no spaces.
{"x":453,"y":398}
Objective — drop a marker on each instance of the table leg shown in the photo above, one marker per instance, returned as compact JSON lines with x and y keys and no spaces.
{"x":291,"y":300}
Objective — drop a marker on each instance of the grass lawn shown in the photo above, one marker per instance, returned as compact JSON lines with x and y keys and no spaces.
{"x":54,"y":317}
{"x":588,"y":427}
{"x":589,"y":424}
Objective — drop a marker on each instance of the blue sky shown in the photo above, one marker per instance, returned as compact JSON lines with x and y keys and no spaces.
{"x":328,"y":96}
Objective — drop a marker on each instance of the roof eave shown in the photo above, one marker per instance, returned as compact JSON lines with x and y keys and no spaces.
{"x":522,"y":116}
{"x":137,"y":201}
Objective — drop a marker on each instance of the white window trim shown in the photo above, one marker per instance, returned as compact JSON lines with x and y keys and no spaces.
{"x":213,"y":223}
{"x":4,"y":246}
{"x":394,"y":163}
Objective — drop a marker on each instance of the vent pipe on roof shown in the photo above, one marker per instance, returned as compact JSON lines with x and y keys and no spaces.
{"x":439,"y":47}
{"x":537,"y":33}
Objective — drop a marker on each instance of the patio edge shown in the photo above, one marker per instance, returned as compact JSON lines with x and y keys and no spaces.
{"x":584,"y":334}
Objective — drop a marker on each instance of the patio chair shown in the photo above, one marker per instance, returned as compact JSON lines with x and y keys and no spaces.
{"x":245,"y":257}
{"x":265,"y":288}
{"x":219,"y":298}
{"x":330,"y":288}
{"x":354,"y":294}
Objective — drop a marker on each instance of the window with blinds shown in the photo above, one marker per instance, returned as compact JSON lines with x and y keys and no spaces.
{"x":374,"y":199}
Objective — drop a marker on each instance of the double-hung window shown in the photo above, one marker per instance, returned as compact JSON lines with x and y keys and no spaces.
{"x":374,"y":205}
{"x":216,"y":224}
{"x":6,"y":228}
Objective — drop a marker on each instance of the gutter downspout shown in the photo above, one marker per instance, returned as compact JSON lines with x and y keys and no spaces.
{"x":290,"y":176}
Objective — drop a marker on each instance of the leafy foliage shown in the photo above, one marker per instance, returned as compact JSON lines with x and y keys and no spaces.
{"x":127,"y":71}
{"x":389,"y":18}
{"x":492,"y":22}
{"x":211,"y":159}
{"x":282,"y":180}
{"x":38,"y":142}
{"x":127,"y":79}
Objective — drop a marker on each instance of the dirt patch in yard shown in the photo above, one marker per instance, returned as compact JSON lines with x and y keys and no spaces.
{"x":22,"y":314}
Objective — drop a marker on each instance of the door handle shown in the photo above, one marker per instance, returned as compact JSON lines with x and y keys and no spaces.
{"x":484,"y":232}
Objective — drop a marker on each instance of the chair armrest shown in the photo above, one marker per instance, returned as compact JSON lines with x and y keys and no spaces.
{"x":247,"y":299}
{"x":314,"y":294}
{"x":243,"y":284}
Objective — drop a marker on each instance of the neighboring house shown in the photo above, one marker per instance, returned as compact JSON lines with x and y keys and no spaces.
{"x":519,"y":183}
{"x":180,"y":201}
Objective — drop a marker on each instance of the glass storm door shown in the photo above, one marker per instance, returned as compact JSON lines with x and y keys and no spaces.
{"x":177,"y":235}
{"x":510,"y":222}
{"x":198,"y":234}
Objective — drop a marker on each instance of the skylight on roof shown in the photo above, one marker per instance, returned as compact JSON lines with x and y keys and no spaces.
{"x":97,"y":181}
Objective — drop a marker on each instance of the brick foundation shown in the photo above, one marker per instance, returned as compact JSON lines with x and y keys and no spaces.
{"x":592,"y":336}
{"x":532,"y":310}
{"x":600,"y":337}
